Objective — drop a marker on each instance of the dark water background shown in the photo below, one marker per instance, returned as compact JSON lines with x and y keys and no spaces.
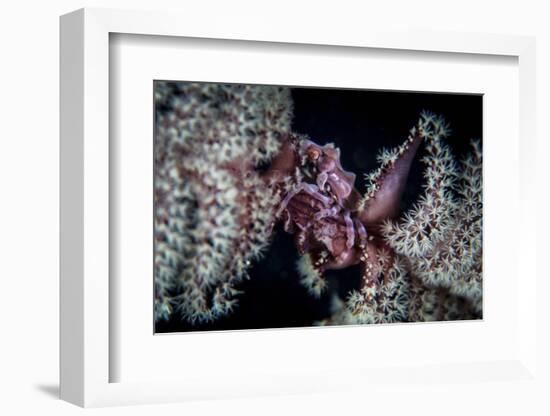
{"x":359,"y":123}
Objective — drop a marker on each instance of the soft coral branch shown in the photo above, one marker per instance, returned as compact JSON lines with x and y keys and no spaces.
{"x":213,"y":211}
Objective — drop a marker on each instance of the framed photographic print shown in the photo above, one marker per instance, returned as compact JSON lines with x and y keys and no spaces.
{"x":286,"y":211}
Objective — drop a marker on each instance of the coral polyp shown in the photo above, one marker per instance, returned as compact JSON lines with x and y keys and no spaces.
{"x":436,"y":271}
{"x":213,"y":211}
{"x":231,"y":173}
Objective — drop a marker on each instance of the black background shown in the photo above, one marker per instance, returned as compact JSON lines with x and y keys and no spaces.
{"x":360,"y":123}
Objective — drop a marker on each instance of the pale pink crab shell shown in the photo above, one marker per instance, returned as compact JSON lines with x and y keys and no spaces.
{"x":327,"y":159}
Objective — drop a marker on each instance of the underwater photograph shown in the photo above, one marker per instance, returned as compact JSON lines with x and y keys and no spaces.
{"x":285,"y":207}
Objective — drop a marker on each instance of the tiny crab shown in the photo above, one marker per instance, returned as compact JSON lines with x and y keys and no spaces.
{"x":332,"y":223}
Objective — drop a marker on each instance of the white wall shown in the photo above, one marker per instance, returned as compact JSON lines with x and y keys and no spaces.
{"x":29,"y":205}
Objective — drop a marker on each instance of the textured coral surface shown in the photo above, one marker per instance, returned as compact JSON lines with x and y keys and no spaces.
{"x":213,"y":212}
{"x":279,"y":206}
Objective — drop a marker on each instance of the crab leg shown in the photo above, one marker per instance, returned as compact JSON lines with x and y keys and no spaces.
{"x":327,"y":212}
{"x":322,"y":179}
{"x":362,"y":233}
{"x":309,"y":189}
{"x":350,"y":231}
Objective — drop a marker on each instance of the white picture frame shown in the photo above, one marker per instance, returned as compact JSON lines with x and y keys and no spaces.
{"x":85,"y":353}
